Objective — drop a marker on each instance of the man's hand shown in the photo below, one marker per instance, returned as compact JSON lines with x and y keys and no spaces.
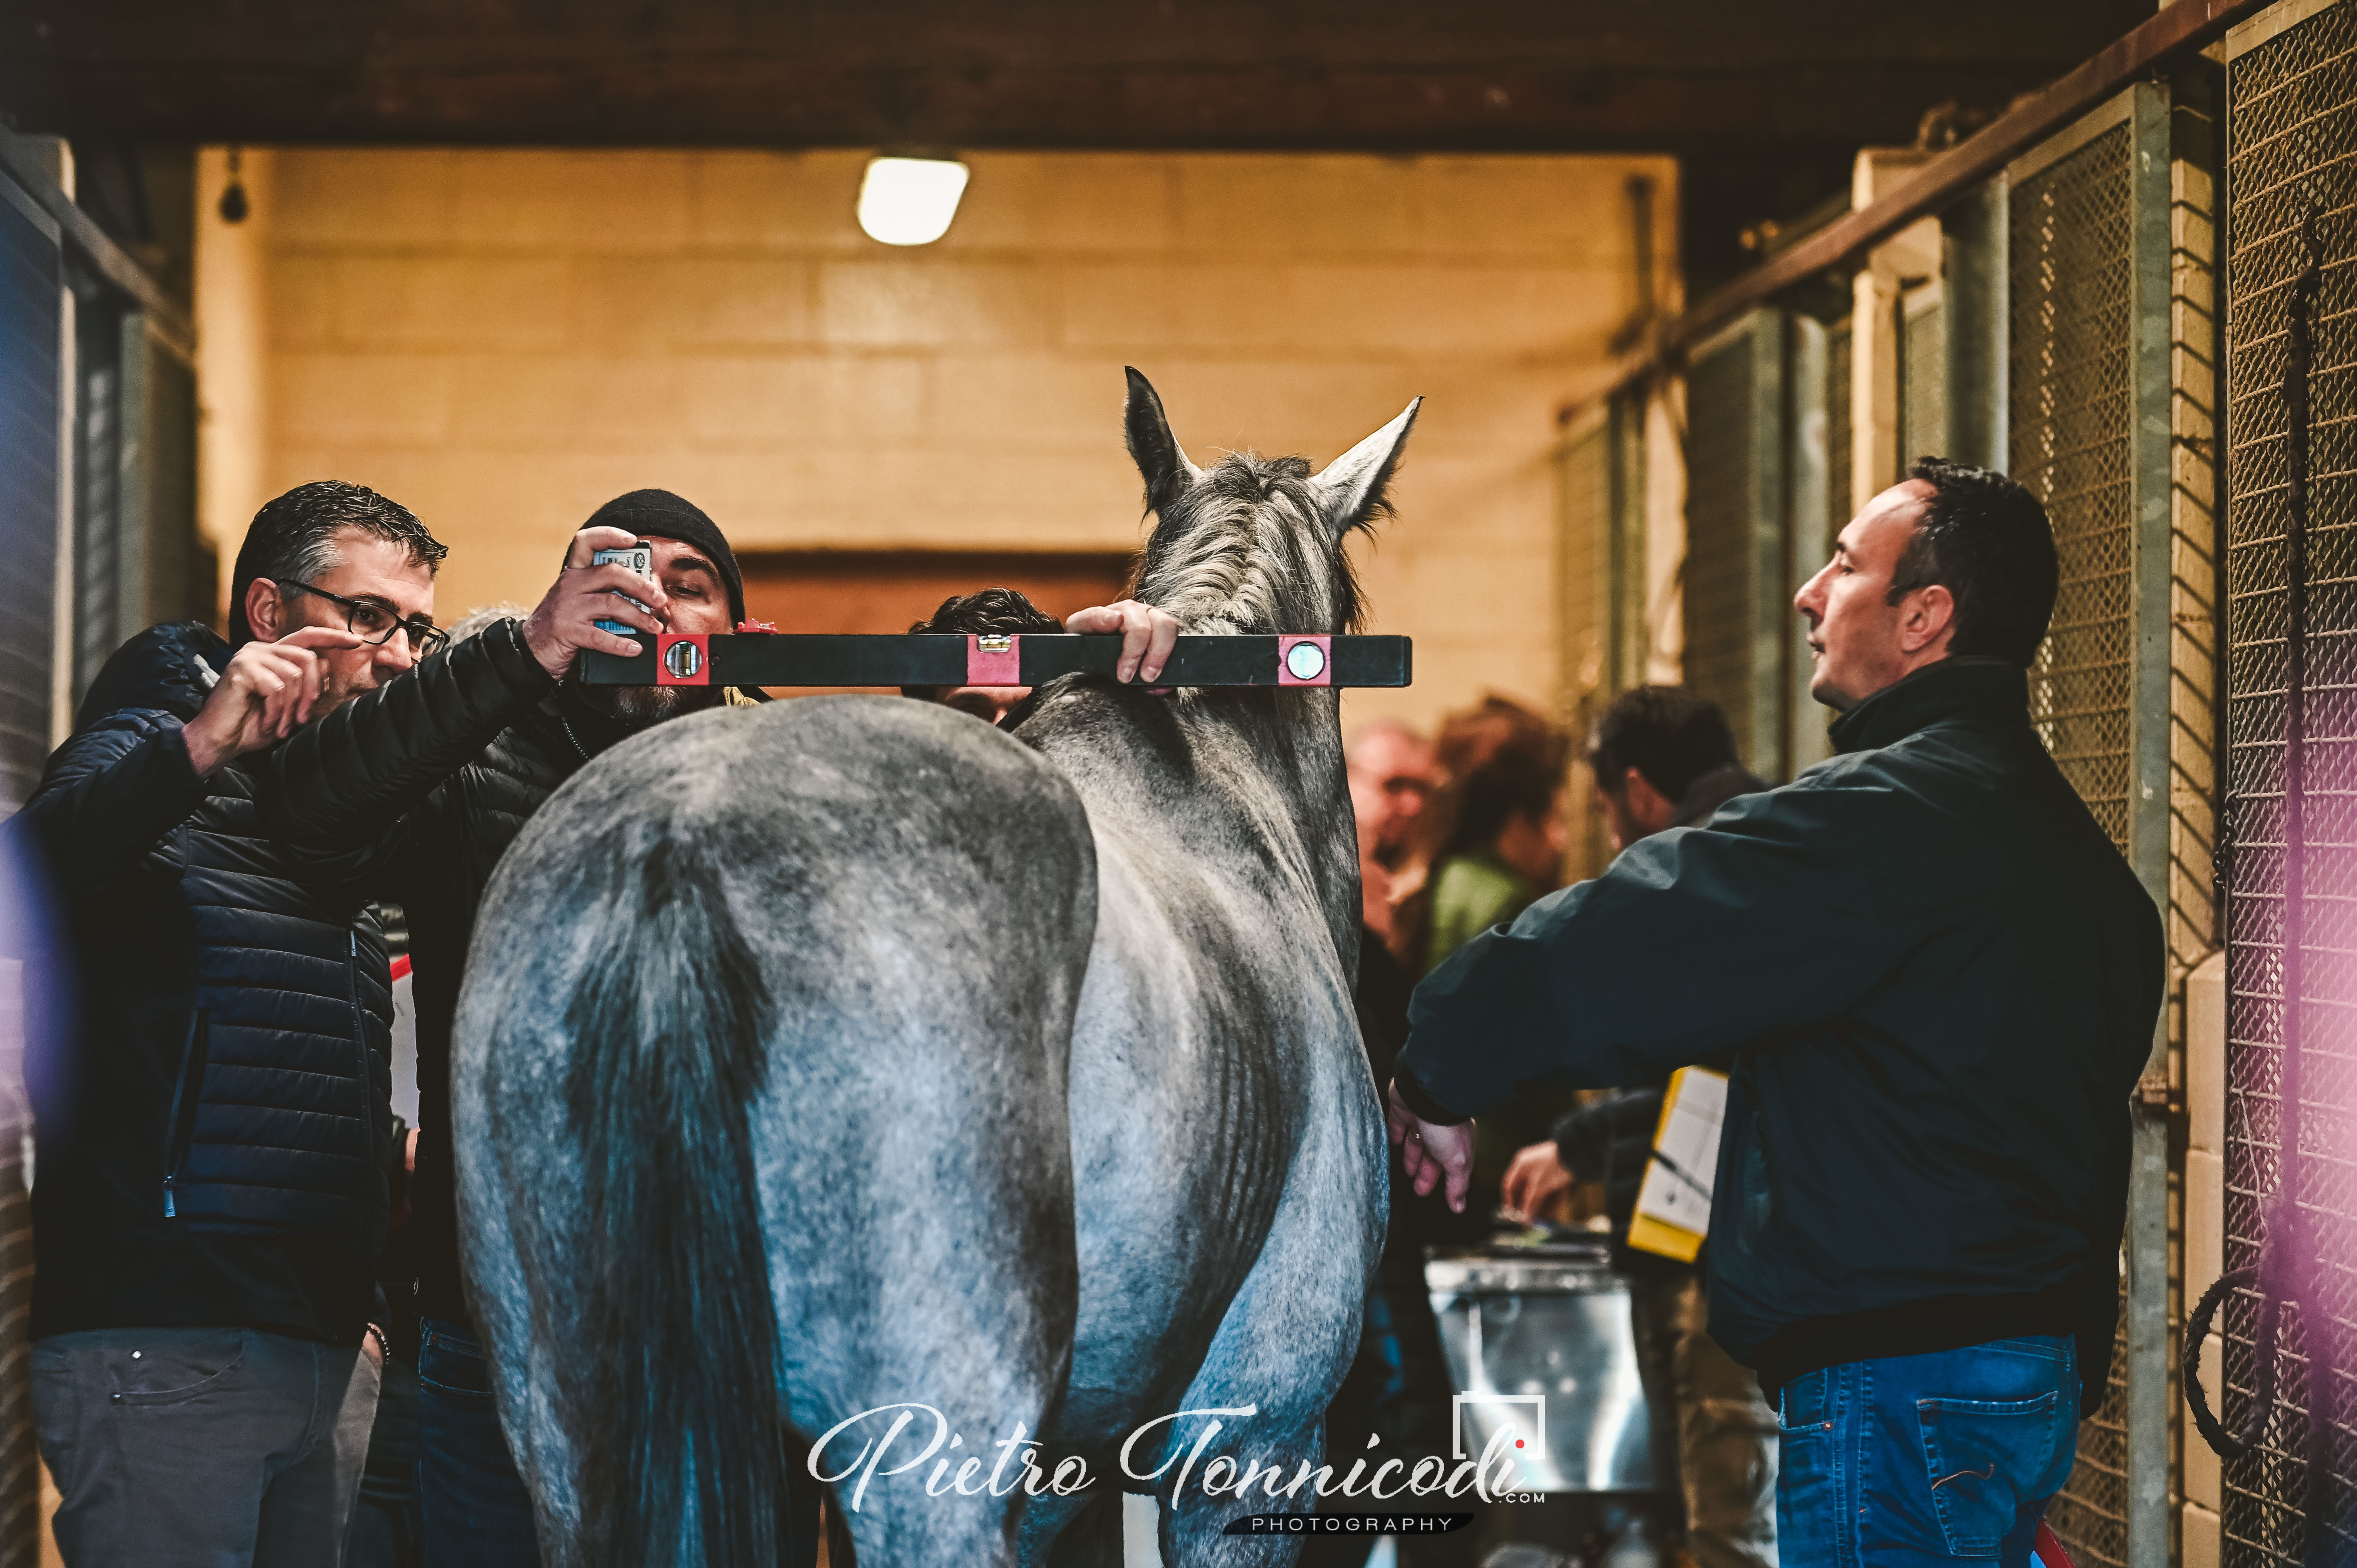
{"x":1433,"y":1153}
{"x":566,"y":619}
{"x":266,"y":693}
{"x":1147,"y":635}
{"x":1534,"y":1181}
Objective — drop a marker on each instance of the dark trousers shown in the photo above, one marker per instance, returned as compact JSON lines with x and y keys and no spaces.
{"x":472,"y":1504}
{"x":385,"y":1522}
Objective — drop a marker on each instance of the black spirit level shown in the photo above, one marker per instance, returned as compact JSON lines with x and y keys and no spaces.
{"x":794,"y":658}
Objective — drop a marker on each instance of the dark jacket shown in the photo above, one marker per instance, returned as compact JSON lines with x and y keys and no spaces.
{"x":1610,"y":1140}
{"x":1941,"y":979}
{"x":214,"y":1149}
{"x":414,"y":791}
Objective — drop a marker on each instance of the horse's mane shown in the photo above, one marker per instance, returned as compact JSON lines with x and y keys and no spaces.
{"x":1247,"y":548}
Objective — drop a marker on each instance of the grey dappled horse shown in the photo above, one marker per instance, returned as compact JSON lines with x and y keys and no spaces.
{"x":852,"y":1050}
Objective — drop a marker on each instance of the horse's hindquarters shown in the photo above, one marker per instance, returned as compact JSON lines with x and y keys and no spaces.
{"x":768,"y":1019}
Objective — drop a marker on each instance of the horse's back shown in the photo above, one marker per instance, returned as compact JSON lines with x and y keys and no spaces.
{"x":859,"y":928}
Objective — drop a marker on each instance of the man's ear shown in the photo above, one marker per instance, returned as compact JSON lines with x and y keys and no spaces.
{"x":1647,"y":805}
{"x":1930,"y":619}
{"x":264,"y":610}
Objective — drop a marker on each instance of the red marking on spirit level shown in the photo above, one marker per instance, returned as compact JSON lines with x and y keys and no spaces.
{"x":748,"y":628}
{"x":994,"y":660}
{"x":1305,"y":661}
{"x":683,"y":659}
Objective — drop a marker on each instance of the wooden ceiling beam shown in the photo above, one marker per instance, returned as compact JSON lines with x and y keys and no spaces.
{"x":1368,"y":75}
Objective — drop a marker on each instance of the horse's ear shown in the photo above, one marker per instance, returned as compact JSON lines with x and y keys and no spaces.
{"x":1353,"y":485}
{"x":1153,"y":447}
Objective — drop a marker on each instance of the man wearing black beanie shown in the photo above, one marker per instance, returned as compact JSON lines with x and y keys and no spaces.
{"x":411,"y":793}
{"x":413,"y":796}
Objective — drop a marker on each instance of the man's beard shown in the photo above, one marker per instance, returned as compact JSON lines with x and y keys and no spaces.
{"x":636,"y":707}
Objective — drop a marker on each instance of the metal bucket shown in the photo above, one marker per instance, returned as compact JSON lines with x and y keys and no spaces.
{"x":1540,"y":1346}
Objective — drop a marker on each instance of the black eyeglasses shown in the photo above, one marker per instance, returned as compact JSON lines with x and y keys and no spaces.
{"x":374,"y":623}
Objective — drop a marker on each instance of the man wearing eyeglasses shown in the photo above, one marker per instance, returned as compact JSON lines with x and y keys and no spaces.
{"x":217,"y":1145}
{"x":416,"y":791}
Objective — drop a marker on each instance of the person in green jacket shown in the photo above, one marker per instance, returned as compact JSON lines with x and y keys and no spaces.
{"x":1938,"y":980}
{"x":1503,"y":851}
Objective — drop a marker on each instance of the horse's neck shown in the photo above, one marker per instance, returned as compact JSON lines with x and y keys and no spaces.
{"x":1214,"y":780}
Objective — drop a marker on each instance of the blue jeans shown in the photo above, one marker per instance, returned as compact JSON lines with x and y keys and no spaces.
{"x":1914,"y":1460}
{"x":472,"y":1504}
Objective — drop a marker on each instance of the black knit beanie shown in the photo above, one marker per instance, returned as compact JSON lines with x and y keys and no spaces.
{"x":663,"y":515}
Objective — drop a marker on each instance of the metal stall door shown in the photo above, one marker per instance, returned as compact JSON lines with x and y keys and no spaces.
{"x":1583,"y":612}
{"x":1739,"y":625}
{"x":1600,"y":585}
{"x":2292,"y":142}
{"x":32,"y":309}
{"x":2090,"y":296}
{"x":1922,"y":372}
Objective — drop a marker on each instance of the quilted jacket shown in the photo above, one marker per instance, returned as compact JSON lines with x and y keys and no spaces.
{"x":415,"y":790}
{"x":214,"y":1145}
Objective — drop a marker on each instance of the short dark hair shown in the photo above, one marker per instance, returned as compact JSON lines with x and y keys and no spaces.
{"x":1670,"y":735}
{"x":1986,"y":540}
{"x":993,"y":612}
{"x":293,"y":538}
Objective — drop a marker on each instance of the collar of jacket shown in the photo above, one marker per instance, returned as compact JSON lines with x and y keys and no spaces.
{"x":1714,"y":789}
{"x":1970,"y":686}
{"x":170,"y":667}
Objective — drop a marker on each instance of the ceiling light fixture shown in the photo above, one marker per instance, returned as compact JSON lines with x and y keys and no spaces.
{"x":909,"y":202}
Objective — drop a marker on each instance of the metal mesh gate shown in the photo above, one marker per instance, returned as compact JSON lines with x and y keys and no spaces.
{"x":1737,"y":622}
{"x":2292,"y":140}
{"x":1839,"y":436}
{"x":1583,"y":583}
{"x":2070,"y":406}
{"x":1922,"y":374}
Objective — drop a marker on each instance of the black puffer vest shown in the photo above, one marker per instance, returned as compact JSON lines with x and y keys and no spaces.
{"x":229,"y":1076}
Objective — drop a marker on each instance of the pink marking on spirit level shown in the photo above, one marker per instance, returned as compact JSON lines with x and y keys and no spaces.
{"x":1305,"y":661}
{"x":994,"y":660}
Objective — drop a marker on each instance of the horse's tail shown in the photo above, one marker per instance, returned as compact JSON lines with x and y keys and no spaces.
{"x":685,"y":1448}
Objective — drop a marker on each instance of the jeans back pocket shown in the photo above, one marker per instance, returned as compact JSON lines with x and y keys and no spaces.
{"x":452,"y":1365}
{"x":1985,"y":1456}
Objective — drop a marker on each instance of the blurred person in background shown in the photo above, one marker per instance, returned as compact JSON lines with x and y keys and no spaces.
{"x":1501,"y":822}
{"x":1498,"y":823}
{"x":1392,"y":773}
{"x":213,"y":1187}
{"x":1663,"y":757}
{"x":992,"y":612}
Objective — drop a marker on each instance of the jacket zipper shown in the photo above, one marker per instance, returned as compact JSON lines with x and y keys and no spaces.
{"x":368,"y":1126}
{"x":176,"y":1131}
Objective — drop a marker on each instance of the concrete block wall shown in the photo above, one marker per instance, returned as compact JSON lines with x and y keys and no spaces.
{"x":503,"y":339}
